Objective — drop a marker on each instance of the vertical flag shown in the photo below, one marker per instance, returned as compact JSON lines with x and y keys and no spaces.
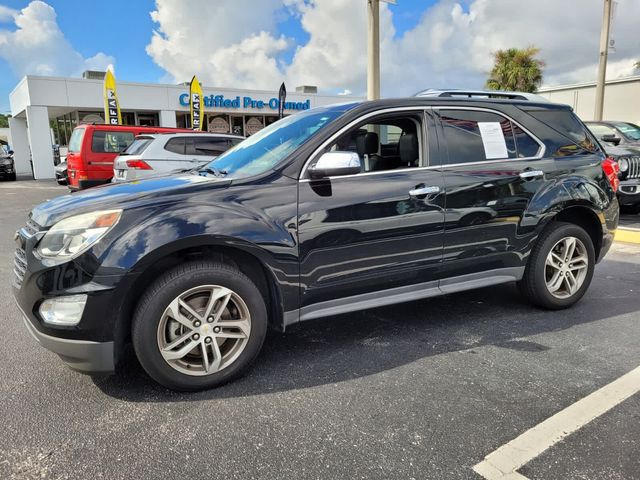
{"x":111,"y":106}
{"x":282,"y":96}
{"x":195,"y":103}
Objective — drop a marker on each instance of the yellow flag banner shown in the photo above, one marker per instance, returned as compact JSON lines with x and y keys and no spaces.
{"x":111,"y":106}
{"x":195,"y":103}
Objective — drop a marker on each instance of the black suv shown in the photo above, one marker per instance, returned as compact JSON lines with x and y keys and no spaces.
{"x":332,"y":210}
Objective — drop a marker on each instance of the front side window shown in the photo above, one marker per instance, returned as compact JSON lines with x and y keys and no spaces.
{"x":111,"y":142}
{"x":273,"y":144}
{"x":387,"y":143}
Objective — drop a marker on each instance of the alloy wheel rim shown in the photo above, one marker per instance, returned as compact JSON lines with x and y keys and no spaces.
{"x":566,"y":267}
{"x":204,"y":330}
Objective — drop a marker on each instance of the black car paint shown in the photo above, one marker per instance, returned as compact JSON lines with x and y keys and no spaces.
{"x":308,"y":234}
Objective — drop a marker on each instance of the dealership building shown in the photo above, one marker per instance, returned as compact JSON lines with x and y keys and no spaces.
{"x":46,"y":109}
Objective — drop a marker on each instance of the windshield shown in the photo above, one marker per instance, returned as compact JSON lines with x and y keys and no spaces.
{"x":138,"y":146}
{"x":75,"y":142}
{"x":629,"y":130}
{"x":271,"y":145}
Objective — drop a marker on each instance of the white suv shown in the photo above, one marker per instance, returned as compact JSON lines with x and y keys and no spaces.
{"x":152,"y":154}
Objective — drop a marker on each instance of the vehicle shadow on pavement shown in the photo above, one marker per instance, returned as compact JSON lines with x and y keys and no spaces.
{"x":359,"y":344}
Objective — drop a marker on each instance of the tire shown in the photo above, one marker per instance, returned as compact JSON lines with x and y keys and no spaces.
{"x":12,"y":177}
{"x":154,"y":327}
{"x":540,"y":277}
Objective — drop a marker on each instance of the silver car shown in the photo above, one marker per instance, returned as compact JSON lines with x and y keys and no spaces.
{"x":156,"y":153}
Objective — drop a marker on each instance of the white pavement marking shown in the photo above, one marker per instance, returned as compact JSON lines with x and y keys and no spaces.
{"x":503,"y":463}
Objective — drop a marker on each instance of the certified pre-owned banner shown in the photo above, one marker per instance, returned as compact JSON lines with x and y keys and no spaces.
{"x":195,"y":103}
{"x":111,"y":105}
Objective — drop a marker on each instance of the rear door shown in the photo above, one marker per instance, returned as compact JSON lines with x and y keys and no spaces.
{"x":492,"y":169}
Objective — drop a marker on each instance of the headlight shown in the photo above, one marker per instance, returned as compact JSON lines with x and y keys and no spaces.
{"x":73,"y":235}
{"x":623,"y":163}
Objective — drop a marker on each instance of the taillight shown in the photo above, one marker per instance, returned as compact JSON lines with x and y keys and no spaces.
{"x":138,"y":165}
{"x":611,"y":170}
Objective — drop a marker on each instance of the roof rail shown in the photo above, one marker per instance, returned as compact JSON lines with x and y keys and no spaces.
{"x":492,"y":94}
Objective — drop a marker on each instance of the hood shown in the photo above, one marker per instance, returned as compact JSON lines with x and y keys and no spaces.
{"x":123,"y":195}
{"x":624,"y":151}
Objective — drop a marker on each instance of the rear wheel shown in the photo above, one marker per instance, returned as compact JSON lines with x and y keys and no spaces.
{"x":560,"y":268}
{"x":199,"y":326}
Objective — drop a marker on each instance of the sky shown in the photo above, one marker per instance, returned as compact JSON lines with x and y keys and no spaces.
{"x":260,"y":43}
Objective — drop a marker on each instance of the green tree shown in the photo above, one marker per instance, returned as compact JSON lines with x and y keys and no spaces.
{"x":637,"y":65}
{"x":4,"y":120}
{"x":516,"y":69}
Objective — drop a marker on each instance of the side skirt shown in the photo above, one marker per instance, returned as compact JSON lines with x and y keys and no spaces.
{"x":407,"y":293}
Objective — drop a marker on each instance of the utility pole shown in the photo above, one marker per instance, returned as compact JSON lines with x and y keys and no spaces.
{"x":373,"y":50}
{"x":604,"y":52}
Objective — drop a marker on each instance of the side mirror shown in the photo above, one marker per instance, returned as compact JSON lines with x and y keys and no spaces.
{"x":333,"y":164}
{"x":611,"y":138}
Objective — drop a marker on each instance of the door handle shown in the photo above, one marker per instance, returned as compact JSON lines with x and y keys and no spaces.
{"x":531,"y":174}
{"x":424,"y":191}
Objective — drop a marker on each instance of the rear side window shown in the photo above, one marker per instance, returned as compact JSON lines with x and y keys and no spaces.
{"x":208,"y":146}
{"x":110,"y":142}
{"x":175,"y":145}
{"x":75,"y":142}
{"x":477,"y":136}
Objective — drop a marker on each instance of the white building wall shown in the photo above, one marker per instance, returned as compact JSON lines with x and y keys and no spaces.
{"x":167,"y":118}
{"x":20,"y":145}
{"x":621,"y":99}
{"x":40,"y":142}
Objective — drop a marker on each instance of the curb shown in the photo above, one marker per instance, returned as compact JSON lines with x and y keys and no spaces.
{"x":627,"y":235}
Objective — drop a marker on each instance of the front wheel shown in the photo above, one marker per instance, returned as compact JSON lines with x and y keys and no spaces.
{"x":199,"y":325}
{"x":560,"y":268}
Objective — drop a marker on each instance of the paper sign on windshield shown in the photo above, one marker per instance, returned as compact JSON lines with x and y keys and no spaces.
{"x":493,"y":140}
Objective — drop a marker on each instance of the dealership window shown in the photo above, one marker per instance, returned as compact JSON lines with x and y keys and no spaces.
{"x":110,"y":142}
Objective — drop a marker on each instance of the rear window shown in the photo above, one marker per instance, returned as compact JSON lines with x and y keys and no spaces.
{"x":110,"y":141}
{"x":138,"y":146}
{"x":75,"y":142}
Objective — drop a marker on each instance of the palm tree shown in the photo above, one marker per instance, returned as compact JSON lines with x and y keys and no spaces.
{"x":516,"y":69}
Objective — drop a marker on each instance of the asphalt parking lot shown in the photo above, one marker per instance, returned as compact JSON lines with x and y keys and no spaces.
{"x":423,"y":390}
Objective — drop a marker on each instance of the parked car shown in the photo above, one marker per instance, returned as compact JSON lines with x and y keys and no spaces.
{"x":628,"y":159}
{"x":328,"y":211}
{"x":7,"y":166}
{"x":62,"y":175}
{"x":92,"y":149}
{"x":150,"y":155}
{"x":625,"y":134}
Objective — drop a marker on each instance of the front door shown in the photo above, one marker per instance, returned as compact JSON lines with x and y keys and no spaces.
{"x":368,"y":239}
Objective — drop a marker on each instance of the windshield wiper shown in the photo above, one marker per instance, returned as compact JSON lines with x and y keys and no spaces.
{"x":212,"y":171}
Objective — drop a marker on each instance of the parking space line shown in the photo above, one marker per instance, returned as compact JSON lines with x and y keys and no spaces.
{"x":503,"y":462}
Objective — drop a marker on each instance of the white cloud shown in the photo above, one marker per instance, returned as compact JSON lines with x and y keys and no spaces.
{"x":37,"y":45}
{"x":450,"y":46}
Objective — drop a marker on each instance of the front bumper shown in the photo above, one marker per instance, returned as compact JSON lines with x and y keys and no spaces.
{"x":82,"y":355}
{"x":629,"y":192}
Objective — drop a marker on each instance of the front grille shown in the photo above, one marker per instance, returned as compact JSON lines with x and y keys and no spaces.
{"x":20,"y":257}
{"x":634,"y":168}
{"x":19,"y":267}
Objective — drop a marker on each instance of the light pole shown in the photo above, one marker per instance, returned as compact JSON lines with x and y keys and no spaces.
{"x":602,"y":66}
{"x":373,"y":49}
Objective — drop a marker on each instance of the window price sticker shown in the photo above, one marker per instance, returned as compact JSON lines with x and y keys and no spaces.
{"x":493,"y":140}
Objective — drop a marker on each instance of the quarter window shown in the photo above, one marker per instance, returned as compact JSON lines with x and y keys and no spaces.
{"x":208,"y":146}
{"x":175,"y":145}
{"x":110,"y":142}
